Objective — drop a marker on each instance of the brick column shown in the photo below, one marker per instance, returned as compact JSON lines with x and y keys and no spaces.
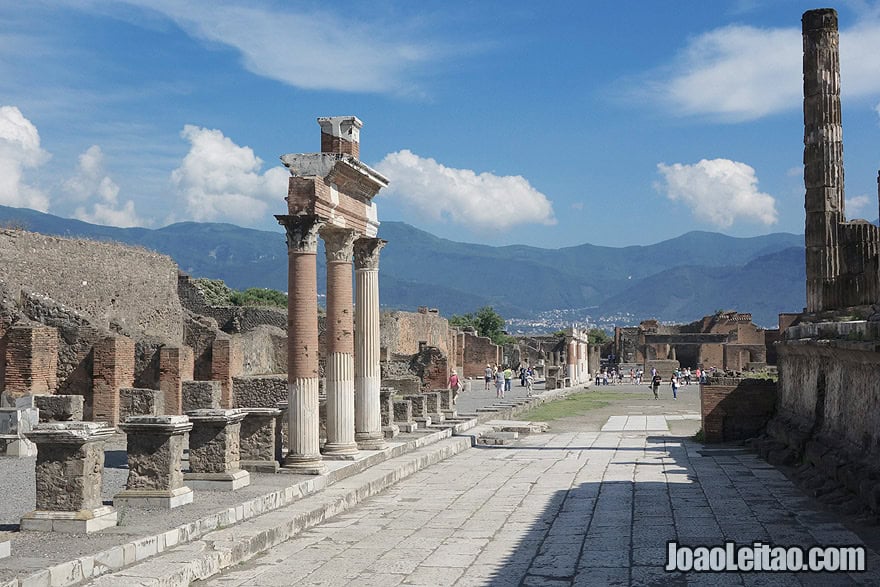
{"x":31,"y":361}
{"x":338,"y":244}
{"x":175,"y":366}
{"x":367,"y":374}
{"x":303,"y":455}
{"x":226,"y":363}
{"x":112,"y":369}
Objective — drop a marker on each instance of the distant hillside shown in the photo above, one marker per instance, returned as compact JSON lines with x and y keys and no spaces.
{"x":678,"y":279}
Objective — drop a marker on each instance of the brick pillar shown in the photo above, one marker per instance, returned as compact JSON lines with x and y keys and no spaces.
{"x":31,"y":361}
{"x":341,"y":134}
{"x":368,"y":431}
{"x":175,"y":366}
{"x":303,"y":455}
{"x":226,"y":363}
{"x":338,"y":244}
{"x":112,"y":369}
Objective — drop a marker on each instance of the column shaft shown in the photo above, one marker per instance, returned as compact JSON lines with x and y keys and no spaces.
{"x":368,"y":376}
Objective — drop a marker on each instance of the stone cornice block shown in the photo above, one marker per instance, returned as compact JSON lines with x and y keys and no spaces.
{"x":166,"y":424}
{"x":215,"y":416}
{"x":69,"y":432}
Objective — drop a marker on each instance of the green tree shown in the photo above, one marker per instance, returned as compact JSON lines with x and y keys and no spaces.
{"x":598,"y":336}
{"x":256,"y":296}
{"x":486,"y":321}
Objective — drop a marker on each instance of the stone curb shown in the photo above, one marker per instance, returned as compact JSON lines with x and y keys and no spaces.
{"x":91,"y":566}
{"x":223,"y":548}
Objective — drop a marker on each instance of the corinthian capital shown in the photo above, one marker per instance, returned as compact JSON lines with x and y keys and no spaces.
{"x":366,"y":252}
{"x":338,"y":243}
{"x":302,"y":232}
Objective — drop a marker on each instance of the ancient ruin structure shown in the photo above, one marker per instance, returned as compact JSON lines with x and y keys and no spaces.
{"x":725,"y":340}
{"x":843,"y":258}
{"x":330,"y":195}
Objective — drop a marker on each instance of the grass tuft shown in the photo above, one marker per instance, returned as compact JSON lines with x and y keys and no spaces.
{"x":574,"y":405}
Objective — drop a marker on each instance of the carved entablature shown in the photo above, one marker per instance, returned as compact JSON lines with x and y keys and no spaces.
{"x":366,"y":253}
{"x":338,"y":243}
{"x":302,"y":232}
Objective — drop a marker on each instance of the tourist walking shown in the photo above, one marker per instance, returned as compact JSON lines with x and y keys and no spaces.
{"x":655,"y":385}
{"x":675,"y":385}
{"x":508,"y":377}
{"x":499,"y":384}
{"x":529,"y":380}
{"x":489,"y":375}
{"x":454,"y":384}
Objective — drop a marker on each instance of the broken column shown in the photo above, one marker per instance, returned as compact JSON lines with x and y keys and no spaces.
{"x":176,"y":365}
{"x":303,"y":455}
{"x":112,"y":369}
{"x":386,"y":402}
{"x":31,"y":362}
{"x":69,"y":474}
{"x":258,"y":452}
{"x":339,"y":335}
{"x":226,"y":362}
{"x":368,"y":419}
{"x":823,"y":157}
{"x":155,"y":452}
{"x":214,"y":451}
{"x":432,"y":405}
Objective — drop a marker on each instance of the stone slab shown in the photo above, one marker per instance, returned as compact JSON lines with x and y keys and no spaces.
{"x":82,"y":522}
{"x":5,"y":547}
{"x":143,"y":498}
{"x":260,"y":466}
{"x":229,"y":481}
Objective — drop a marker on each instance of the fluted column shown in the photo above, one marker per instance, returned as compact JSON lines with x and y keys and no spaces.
{"x":367,"y":375}
{"x":339,"y":336}
{"x":304,"y":454}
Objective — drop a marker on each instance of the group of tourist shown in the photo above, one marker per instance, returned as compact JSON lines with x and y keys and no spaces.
{"x":502,"y":377}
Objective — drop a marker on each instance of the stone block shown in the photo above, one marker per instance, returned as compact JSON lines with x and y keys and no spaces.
{"x":80,"y":522}
{"x":257,"y":442}
{"x":403,"y":411}
{"x":18,"y":421}
{"x":135,"y":401}
{"x":419,"y":406}
{"x":432,"y":406}
{"x":228,"y":481}
{"x":59,"y":408}
{"x":407,"y":427}
{"x":201,"y":395}
{"x":214,"y":450}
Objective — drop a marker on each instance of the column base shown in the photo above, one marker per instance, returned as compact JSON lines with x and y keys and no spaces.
{"x":391,"y":431}
{"x":339,"y":452}
{"x":260,"y":466}
{"x":81,"y":522}
{"x":450,"y":414}
{"x":154,"y":498}
{"x":303,"y":466}
{"x":371,"y":442}
{"x":423,"y":422}
{"x":228,"y":481}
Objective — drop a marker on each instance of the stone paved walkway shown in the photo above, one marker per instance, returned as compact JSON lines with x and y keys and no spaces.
{"x":588,"y":508}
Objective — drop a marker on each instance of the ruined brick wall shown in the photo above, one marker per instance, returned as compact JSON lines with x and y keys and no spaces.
{"x":432,"y":367}
{"x":738,"y":356}
{"x":736,"y":409}
{"x":259,"y":391}
{"x":175,"y":367}
{"x":230,"y":319}
{"x":478,"y":352}
{"x":31,"y":361}
{"x":116,"y":287}
{"x":401,"y":332}
{"x":226,"y":363}
{"x":711,"y":355}
{"x":112,"y":369}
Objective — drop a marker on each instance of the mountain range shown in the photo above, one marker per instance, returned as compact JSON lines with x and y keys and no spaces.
{"x":680,"y":279}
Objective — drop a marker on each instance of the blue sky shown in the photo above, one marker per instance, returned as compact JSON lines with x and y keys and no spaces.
{"x":500,"y":122}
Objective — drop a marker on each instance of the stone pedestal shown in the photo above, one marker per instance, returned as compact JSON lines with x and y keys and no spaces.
{"x":69,"y":472}
{"x":155,"y":451}
{"x":258,"y":451}
{"x":432,"y":406}
{"x":447,"y":403}
{"x":201,"y":395}
{"x":403,"y":415}
{"x":14,"y":424}
{"x":214,"y":451}
{"x":386,"y":403}
{"x":419,"y":409}
{"x":59,"y":408}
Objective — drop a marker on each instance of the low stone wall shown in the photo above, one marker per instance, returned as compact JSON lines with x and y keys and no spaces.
{"x":736,"y":409}
{"x":828,"y":417}
{"x":259,"y":391}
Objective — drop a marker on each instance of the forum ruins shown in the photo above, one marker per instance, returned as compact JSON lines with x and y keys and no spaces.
{"x":98,"y":338}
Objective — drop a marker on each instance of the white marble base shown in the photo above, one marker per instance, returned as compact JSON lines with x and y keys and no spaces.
{"x":81,"y":522}
{"x":146,"y":498}
{"x":229,"y":481}
{"x":260,"y":466}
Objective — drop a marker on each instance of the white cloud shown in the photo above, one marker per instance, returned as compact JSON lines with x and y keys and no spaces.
{"x":739,"y":73}
{"x":467,"y":198}
{"x":718,"y":191}
{"x":220,"y":180}
{"x":855,"y":205}
{"x":310,"y":49}
{"x":91,"y":183}
{"x":20,"y":150}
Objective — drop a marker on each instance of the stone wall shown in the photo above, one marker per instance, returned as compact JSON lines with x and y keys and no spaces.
{"x":117,"y":287}
{"x":113,"y":369}
{"x":230,"y":319}
{"x":736,"y":409}
{"x":401,"y":332}
{"x":478,"y":352}
{"x":31,"y":358}
{"x":259,"y":391}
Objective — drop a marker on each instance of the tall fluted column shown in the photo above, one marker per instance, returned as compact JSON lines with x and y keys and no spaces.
{"x":339,"y":336}
{"x":367,"y":375}
{"x":823,"y":157}
{"x":304,"y":454}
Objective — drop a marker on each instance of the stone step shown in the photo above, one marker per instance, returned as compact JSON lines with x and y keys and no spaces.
{"x":226,"y":547}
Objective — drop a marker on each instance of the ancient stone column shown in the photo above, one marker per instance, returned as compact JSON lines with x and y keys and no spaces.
{"x":214,"y":451}
{"x":339,"y":336}
{"x":303,"y":454}
{"x":823,"y":157}
{"x":386,"y":400}
{"x":258,"y":440}
{"x":155,"y":452}
{"x":69,"y":472}
{"x":368,"y":431}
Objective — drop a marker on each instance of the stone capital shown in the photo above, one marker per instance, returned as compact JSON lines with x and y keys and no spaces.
{"x":338,"y":243}
{"x":366,"y":252}
{"x":302,"y":232}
